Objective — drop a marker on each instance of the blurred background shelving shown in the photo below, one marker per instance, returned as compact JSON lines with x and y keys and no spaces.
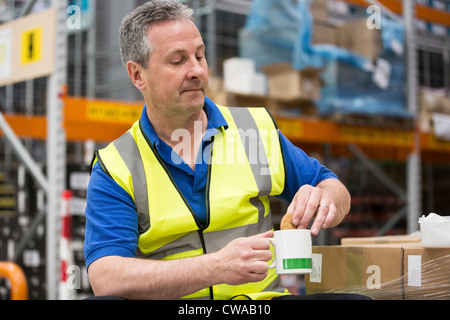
{"x":370,"y":151}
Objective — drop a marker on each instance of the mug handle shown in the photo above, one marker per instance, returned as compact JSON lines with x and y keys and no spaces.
{"x":272,"y":265}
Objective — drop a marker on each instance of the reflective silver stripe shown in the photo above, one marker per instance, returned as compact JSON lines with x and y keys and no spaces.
{"x":244,"y":121}
{"x":129,"y":151}
{"x":188,"y":242}
{"x":216,"y":240}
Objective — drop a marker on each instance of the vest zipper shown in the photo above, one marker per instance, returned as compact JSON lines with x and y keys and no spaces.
{"x":208,"y":181}
{"x":200,"y":227}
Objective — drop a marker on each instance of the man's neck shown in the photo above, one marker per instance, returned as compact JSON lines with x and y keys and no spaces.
{"x":183,"y":134}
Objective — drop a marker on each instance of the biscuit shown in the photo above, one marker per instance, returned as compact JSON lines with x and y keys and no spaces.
{"x":286,"y":222}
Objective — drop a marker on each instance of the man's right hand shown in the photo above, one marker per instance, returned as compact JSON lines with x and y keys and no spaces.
{"x":244,"y":260}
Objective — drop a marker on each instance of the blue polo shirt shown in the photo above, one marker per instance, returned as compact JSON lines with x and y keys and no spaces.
{"x":111,"y":219}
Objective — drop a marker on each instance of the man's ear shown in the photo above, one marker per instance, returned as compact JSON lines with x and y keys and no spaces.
{"x":134,"y":71}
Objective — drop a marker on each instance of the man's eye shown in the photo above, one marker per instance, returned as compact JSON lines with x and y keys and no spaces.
{"x":177,"y":61}
{"x":200,"y":58}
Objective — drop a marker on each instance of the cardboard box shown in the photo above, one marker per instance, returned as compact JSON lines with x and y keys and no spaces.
{"x":382,"y":271}
{"x":426,"y":121}
{"x":356,"y":269}
{"x":433,"y":101}
{"x":286,"y":83}
{"x":427,"y":273}
{"x":319,"y":10}
{"x":325,"y":33}
{"x":355,"y":36}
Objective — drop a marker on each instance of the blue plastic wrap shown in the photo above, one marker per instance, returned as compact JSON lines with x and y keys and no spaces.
{"x":282,"y":31}
{"x":270,"y":33}
{"x":348,"y":89}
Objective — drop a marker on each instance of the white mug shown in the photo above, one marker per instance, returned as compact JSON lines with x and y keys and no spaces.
{"x":293,"y":251}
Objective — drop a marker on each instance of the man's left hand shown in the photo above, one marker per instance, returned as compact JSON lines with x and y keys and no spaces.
{"x":312,"y":202}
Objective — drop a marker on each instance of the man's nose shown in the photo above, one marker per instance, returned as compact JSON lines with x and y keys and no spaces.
{"x":196,"y":69}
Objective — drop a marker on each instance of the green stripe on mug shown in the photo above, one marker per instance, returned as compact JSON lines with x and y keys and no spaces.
{"x":297,"y":263}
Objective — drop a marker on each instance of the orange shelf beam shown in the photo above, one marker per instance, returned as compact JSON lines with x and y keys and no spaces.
{"x":106,"y":120}
{"x":324,"y":131}
{"x":99,"y":120}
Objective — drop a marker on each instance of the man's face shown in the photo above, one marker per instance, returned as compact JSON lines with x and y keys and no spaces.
{"x":176,"y":79}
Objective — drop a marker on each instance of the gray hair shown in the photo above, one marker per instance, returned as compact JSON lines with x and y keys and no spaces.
{"x":134,"y":43}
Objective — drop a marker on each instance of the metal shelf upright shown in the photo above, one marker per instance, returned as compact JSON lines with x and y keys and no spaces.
{"x":414,"y":180}
{"x":56,"y":149}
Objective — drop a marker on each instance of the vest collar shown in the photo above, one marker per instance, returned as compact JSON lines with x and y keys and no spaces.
{"x":215,"y":122}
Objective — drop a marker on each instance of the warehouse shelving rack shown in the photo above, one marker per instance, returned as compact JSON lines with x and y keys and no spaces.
{"x":74,"y":119}
{"x":53,"y":182}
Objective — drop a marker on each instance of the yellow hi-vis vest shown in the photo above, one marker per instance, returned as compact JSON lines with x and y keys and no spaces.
{"x":246,"y":166}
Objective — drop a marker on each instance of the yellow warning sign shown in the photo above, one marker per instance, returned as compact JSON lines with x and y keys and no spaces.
{"x":27,"y":47}
{"x":31,"y":46}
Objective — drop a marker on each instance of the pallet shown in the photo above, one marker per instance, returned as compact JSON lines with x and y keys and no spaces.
{"x":275,"y":106}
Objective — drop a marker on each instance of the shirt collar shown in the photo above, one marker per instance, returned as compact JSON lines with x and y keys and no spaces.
{"x":215,"y":121}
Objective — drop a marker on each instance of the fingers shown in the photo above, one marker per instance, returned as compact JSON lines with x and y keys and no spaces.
{"x":259,"y":255}
{"x":245,"y":259}
{"x":324,"y":217}
{"x":309,"y":203}
{"x":261,"y":246}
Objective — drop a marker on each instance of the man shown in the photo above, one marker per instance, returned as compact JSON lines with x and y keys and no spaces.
{"x":200,"y":225}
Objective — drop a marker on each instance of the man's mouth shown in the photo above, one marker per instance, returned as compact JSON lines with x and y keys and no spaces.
{"x":192,"y":90}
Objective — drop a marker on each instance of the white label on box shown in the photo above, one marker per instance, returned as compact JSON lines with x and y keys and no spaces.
{"x":316,"y":274}
{"x":414,"y":270}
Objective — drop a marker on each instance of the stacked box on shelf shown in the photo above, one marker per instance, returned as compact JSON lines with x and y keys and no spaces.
{"x":352,"y":35}
{"x":279,"y":88}
{"x":285,"y":83}
{"x":319,"y":10}
{"x":364,"y":73}
{"x":355,"y":36}
{"x":293,"y":90}
{"x":434,"y":114}
{"x":363,"y":67}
